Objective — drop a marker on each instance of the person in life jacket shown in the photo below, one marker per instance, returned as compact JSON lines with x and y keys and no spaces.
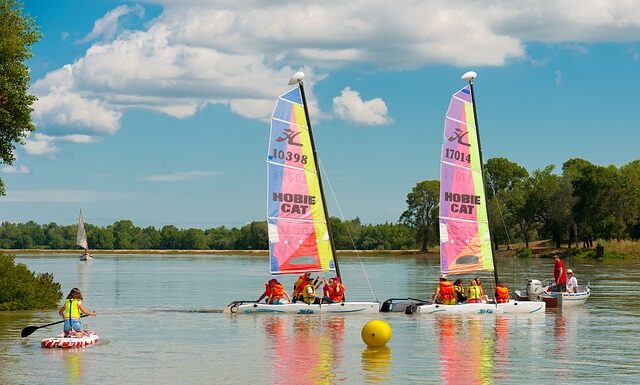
{"x":71,"y":312}
{"x":275,"y":293}
{"x":474,"y":292}
{"x":457,"y":286}
{"x":298,"y":285}
{"x":309,"y":291}
{"x":333,"y":290}
{"x":502,"y":293}
{"x":445,"y":293}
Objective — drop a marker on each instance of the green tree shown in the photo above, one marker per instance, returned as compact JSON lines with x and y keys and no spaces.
{"x":422,"y":212}
{"x":253,"y":236}
{"x":18,"y":33}
{"x":20,"y":289}
{"x":502,"y":176}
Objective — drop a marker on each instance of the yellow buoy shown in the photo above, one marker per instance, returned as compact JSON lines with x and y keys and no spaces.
{"x":376,"y":333}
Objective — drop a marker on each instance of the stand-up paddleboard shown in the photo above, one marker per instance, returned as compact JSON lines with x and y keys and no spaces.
{"x":89,"y":337}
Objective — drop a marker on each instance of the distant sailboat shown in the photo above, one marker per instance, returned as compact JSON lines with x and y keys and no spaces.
{"x":300,"y":238}
{"x":81,"y":239}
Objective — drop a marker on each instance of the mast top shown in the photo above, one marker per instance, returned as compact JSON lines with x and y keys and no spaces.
{"x":296,"y":78}
{"x":469,"y":76}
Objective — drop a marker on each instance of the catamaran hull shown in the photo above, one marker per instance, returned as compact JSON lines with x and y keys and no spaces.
{"x":240,"y":307}
{"x":512,"y":307}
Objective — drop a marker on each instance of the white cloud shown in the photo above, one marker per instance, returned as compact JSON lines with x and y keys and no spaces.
{"x":240,"y":53}
{"x":40,"y":147}
{"x":179,"y":176}
{"x":14,"y":169}
{"x":107,"y":26}
{"x":558,"y":77}
{"x":350,"y":107}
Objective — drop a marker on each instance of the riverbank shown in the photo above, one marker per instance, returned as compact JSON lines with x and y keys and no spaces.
{"x":257,"y":253}
{"x":539,"y":249}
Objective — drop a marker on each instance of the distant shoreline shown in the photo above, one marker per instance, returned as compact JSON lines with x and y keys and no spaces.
{"x":257,"y":253}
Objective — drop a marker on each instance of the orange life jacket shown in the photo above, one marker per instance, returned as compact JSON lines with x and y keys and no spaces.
{"x":299,"y":285}
{"x":336,"y":292}
{"x":277,"y":292}
{"x":447,"y":291}
{"x":502,"y":294}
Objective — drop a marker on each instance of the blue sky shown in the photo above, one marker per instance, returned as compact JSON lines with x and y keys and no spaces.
{"x":157,"y":111}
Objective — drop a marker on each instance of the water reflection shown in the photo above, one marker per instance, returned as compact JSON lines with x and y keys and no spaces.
{"x":304,"y":350}
{"x":472,"y":351}
{"x":376,"y":365}
{"x":71,"y":364}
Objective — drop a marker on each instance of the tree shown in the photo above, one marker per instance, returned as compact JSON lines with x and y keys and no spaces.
{"x":422,"y":212}
{"x":502,"y":176}
{"x":18,"y":33}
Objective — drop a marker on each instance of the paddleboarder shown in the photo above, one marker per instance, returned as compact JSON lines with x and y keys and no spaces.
{"x":71,"y":312}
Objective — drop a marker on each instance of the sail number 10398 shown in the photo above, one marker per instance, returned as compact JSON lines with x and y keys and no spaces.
{"x":289,"y":156}
{"x":457,"y":155}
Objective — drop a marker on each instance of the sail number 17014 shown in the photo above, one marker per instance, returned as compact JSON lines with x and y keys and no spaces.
{"x":457,"y":155}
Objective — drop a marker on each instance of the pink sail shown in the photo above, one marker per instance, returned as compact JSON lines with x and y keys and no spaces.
{"x":465,"y":243}
{"x":299,"y":239}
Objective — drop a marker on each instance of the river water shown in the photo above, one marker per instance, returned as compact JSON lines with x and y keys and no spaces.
{"x":160,"y":322}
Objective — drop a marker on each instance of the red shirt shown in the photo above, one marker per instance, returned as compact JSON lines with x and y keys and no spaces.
{"x":559,"y":272}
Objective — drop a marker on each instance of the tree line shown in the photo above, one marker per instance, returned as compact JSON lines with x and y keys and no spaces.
{"x":124,"y":235}
{"x":583,"y":203}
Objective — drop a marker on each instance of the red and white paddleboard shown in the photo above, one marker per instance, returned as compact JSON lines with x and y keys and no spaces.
{"x":89,"y":337}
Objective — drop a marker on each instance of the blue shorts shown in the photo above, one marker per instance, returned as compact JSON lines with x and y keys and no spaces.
{"x":72,"y":324}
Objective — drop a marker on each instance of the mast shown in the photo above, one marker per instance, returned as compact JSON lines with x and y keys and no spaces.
{"x":298,"y":79}
{"x":470,"y":76}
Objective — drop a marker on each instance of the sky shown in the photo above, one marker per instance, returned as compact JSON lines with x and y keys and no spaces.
{"x":158,"y":111}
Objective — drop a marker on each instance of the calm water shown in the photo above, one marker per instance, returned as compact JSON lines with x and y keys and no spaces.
{"x":160,"y":323}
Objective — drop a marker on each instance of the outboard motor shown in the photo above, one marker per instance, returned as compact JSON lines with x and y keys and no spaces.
{"x":534,"y":289}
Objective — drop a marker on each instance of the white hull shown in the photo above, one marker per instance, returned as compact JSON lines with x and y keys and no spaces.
{"x":241,"y":307}
{"x":512,"y":307}
{"x":564,"y":300}
{"x":86,"y":257}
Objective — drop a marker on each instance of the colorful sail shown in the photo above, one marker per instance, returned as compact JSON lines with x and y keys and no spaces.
{"x":465,"y":242}
{"x":299,"y":239}
{"x":81,"y":234}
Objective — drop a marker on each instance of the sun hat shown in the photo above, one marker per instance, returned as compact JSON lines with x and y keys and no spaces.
{"x":569,"y":271}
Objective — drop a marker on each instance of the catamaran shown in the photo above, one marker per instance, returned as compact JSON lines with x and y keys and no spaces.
{"x":81,"y":239}
{"x":465,"y":237}
{"x":300,"y":238}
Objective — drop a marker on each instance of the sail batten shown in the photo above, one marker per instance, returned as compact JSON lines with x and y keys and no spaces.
{"x":299,"y":237}
{"x":465,"y":241}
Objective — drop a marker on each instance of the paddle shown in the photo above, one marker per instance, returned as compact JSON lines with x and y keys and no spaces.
{"x":30,"y":329}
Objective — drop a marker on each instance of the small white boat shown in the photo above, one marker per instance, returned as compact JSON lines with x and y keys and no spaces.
{"x":537,"y":292}
{"x":88,"y":337}
{"x":242,"y":307}
{"x":555,"y":299}
{"x":81,"y":239}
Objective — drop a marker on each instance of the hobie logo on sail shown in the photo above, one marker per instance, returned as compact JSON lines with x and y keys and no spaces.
{"x":462,"y":203}
{"x":289,"y":136}
{"x":294,"y":203}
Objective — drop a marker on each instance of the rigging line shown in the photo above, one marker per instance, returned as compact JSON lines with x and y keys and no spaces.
{"x":504,"y":225}
{"x":353,"y":243}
